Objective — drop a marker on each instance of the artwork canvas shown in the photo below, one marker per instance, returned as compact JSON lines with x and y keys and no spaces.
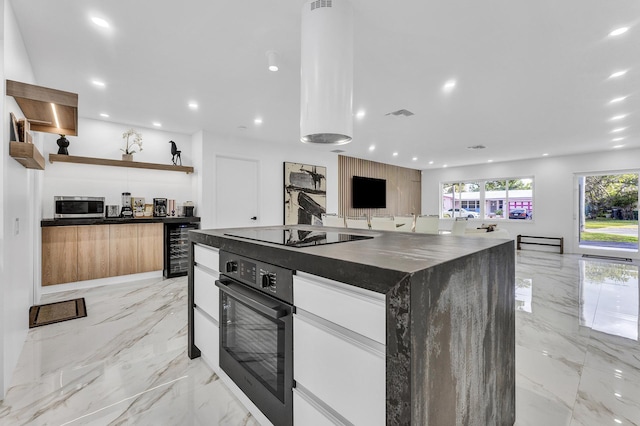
{"x":305,"y":194}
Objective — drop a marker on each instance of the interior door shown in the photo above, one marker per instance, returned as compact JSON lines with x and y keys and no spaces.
{"x":236,"y":192}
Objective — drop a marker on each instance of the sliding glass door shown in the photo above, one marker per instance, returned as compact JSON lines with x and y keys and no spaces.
{"x":608,"y":212}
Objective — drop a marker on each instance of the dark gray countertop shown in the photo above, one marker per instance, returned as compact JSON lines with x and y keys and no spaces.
{"x":376,"y":264}
{"x":116,"y":221}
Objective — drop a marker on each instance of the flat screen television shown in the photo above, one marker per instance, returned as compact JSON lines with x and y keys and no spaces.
{"x":368,"y":193}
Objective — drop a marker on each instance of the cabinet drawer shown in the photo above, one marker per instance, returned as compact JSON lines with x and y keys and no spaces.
{"x":205,"y":292}
{"x":206,"y":256}
{"x":356,"y":309}
{"x":305,"y":412}
{"x":344,"y":374}
{"x":205,"y":337}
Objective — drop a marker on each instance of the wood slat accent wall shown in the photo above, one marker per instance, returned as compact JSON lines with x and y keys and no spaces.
{"x":404,"y":187}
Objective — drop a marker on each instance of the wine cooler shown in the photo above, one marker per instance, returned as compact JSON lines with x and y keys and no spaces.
{"x":176,"y":249}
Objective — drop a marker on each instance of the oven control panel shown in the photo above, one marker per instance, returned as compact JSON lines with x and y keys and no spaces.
{"x":270,"y":279}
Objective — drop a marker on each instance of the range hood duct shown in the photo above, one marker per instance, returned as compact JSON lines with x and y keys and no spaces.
{"x":326,"y":91}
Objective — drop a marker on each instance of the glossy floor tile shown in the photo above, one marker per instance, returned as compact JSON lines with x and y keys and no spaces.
{"x":577,"y":354}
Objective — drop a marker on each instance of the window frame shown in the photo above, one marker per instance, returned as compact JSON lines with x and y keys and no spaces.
{"x":508,"y":203}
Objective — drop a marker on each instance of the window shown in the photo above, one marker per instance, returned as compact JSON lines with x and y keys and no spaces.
{"x":461,"y":199}
{"x":490,"y":199}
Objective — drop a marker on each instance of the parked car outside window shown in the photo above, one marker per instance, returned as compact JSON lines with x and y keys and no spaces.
{"x":519,"y":214}
{"x":461,"y":213}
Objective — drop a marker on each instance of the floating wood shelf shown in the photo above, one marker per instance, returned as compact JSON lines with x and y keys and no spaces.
{"x":48,"y":110}
{"x":117,"y":163}
{"x":26,"y":154}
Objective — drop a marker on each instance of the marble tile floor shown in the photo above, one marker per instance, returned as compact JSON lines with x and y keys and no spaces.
{"x":577,"y":354}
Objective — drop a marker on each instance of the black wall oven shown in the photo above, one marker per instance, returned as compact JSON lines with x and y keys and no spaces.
{"x":256,"y":332}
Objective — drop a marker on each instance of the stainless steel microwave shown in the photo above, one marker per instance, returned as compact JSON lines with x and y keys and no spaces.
{"x":78,"y":207}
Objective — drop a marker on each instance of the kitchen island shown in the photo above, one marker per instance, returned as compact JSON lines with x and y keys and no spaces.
{"x":449,"y":320}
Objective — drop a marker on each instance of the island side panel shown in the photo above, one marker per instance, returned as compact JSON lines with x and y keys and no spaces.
{"x":463,"y":341}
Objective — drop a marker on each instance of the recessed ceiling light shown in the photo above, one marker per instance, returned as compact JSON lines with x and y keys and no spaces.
{"x":617,"y":395}
{"x":102,"y":114}
{"x":430,"y":162}
{"x":100,"y":22}
{"x":618,"y":130}
{"x":98,"y":83}
{"x":257,"y":121}
{"x":617,"y":421}
{"x":360,"y":114}
{"x":414,"y":159}
{"x":617,"y":139}
{"x":618,"y":117}
{"x":618,"y":74}
{"x":155,"y":123}
{"x":619,"y":31}
{"x":545,"y":154}
{"x":272,"y":59}
{"x":395,"y":154}
{"x":619,"y":99}
{"x":193,"y":105}
{"x":444,"y":165}
{"x":372,"y":147}
{"x":617,"y":146}
{"x":489,"y":161}
{"x":449,"y":85}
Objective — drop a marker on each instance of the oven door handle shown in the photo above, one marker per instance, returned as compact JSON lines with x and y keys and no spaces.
{"x":264,"y":304}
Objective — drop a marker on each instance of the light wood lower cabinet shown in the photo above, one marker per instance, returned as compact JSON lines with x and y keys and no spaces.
{"x":78,"y":253}
{"x":93,"y":252}
{"x":59,"y":255}
{"x":150,"y":246}
{"x":123,"y":249}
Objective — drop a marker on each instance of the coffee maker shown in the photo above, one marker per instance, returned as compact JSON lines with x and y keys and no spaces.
{"x":126,"y":211}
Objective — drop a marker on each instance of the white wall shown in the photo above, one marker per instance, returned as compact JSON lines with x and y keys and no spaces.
{"x":18,"y":201}
{"x":555,"y":195}
{"x":271,"y":185}
{"x":103,"y":139}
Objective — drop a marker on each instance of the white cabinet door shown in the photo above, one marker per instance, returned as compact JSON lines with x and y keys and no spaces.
{"x":205,"y":337}
{"x":307,"y":412}
{"x":340,"y":368}
{"x":205,"y":293}
{"x":353,"y":308}
{"x":207,"y":256}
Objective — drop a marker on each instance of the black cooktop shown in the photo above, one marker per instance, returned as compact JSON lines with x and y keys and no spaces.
{"x":292,"y":237}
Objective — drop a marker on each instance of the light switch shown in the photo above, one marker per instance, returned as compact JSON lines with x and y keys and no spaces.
{"x":16,"y":226}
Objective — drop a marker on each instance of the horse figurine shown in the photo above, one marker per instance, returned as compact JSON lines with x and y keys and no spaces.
{"x":175,"y":153}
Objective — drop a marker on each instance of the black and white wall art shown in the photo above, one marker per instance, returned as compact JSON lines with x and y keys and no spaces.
{"x":305,"y":193}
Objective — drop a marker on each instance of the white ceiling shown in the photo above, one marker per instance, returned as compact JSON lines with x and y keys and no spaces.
{"x":532,"y":76}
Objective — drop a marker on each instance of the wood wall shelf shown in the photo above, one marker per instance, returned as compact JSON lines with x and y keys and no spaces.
{"x":117,"y":163}
{"x":36,"y":104}
{"x":26,"y":154}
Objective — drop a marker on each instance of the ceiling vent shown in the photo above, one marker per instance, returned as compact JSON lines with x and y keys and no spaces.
{"x":320,"y":3}
{"x":404,"y":112}
{"x":476,"y":147}
{"x":338,"y":151}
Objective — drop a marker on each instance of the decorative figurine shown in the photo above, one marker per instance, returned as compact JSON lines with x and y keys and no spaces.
{"x":63,"y":143}
{"x":175,"y":153}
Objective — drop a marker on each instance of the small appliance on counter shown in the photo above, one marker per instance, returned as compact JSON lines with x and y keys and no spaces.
{"x":188,"y":209}
{"x":171,"y":208}
{"x":113,"y":210}
{"x":69,"y":207}
{"x":126,"y":211}
{"x":159,"y":207}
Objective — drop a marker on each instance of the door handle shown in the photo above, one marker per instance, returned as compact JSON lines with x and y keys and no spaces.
{"x":254,"y":218}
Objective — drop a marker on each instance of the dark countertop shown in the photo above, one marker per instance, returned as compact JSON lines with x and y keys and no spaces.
{"x":116,"y":221}
{"x":376,"y":264}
